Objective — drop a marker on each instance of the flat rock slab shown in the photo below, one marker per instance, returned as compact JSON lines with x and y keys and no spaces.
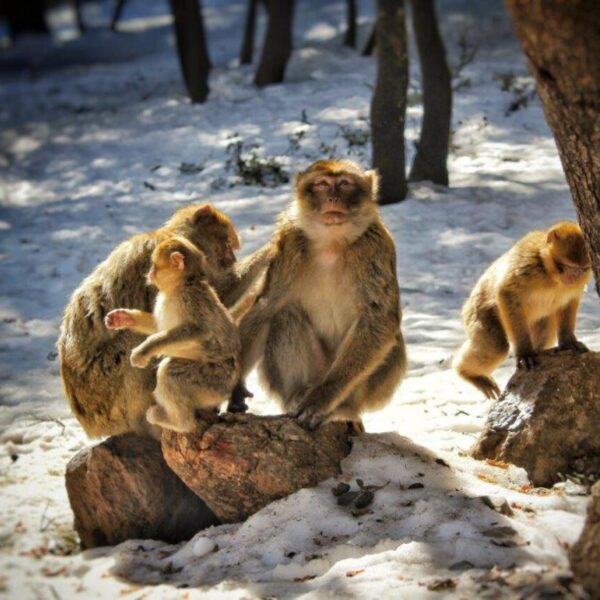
{"x":585,"y":554}
{"x":548,"y":419}
{"x":123,"y":489}
{"x":238,"y":464}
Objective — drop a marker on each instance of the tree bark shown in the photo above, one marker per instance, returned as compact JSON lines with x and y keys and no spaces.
{"x":350,"y":37}
{"x":370,"y":45}
{"x":247,"y":49}
{"x":432,"y":148}
{"x":388,"y":106}
{"x":562,"y":42}
{"x":278,"y":42}
{"x":191,"y":46}
{"x":238,"y":464}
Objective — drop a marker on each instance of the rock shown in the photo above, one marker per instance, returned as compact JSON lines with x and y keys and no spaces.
{"x":123,"y":489}
{"x":239,"y":463}
{"x":548,"y":419}
{"x":585,"y":554}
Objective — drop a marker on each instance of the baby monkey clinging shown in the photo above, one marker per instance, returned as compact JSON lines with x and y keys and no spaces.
{"x":193,"y":332}
{"x":528,"y":297}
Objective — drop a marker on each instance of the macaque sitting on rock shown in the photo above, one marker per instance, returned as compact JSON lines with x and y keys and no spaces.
{"x":192,"y":333}
{"x":528,"y":297}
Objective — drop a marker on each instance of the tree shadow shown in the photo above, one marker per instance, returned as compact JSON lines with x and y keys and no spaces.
{"x":421,"y":521}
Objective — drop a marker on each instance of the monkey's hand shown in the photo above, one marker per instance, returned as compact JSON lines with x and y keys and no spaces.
{"x":140,"y":358}
{"x":312,"y":409}
{"x":119,"y":319}
{"x":527,"y":361}
{"x":237,"y":402}
{"x":573,"y":345}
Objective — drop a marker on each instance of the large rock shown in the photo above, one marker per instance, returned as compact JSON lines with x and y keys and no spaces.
{"x":239,"y":463}
{"x":123,"y":489}
{"x":548,"y":419}
{"x":585,"y":554}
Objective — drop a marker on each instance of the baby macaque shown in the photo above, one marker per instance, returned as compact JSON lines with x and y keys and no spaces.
{"x":190,"y":330}
{"x":528,"y":297}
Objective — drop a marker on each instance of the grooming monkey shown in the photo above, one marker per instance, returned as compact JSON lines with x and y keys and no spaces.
{"x":527,"y":298}
{"x":326,"y":325}
{"x":193,"y":332}
{"x":106,"y":394}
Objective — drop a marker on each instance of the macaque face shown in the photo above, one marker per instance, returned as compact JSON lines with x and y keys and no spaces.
{"x":569,"y":255}
{"x":219,"y":240}
{"x":334,"y":195}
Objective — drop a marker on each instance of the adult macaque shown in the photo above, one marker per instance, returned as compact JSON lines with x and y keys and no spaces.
{"x":527,"y":298}
{"x":106,"y":394}
{"x":191,"y":330}
{"x":326,"y":325}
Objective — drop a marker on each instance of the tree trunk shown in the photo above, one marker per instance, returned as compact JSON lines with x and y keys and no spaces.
{"x":24,"y":17}
{"x":278,"y":42}
{"x":191,"y":46}
{"x":388,"y":107}
{"x":118,"y":10}
{"x":370,"y":45}
{"x":249,"y":30}
{"x":432,"y":149}
{"x":562,"y":42}
{"x":350,"y":38}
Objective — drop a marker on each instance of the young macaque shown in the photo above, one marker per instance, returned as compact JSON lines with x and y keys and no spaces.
{"x":326,"y":324}
{"x":527,"y":298}
{"x":106,"y":394}
{"x":190,"y":330}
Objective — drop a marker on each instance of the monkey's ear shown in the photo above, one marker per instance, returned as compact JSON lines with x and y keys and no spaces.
{"x":177,"y":261}
{"x":205,"y":214}
{"x":372,"y":178}
{"x":553,"y":236}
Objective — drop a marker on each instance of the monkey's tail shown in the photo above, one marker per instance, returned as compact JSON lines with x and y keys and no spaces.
{"x":485,"y":384}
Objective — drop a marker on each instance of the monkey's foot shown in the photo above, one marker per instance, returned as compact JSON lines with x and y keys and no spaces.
{"x":237,"y":402}
{"x":356,"y":427}
{"x":139,"y":359}
{"x":528,"y":361}
{"x":575,"y":345}
{"x":157,"y":415}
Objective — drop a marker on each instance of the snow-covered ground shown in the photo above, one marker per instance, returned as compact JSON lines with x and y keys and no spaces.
{"x":98,"y":141}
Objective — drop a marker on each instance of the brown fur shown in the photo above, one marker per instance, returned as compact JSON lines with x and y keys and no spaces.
{"x":527,"y":298}
{"x":193,"y":333}
{"x":106,"y":394}
{"x":326,"y":326}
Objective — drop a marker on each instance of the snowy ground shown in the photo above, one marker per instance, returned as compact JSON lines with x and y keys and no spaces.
{"x":93,"y":137}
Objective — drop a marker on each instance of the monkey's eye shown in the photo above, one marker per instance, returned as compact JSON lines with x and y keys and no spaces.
{"x":561,"y":267}
{"x":345,"y":182}
{"x":322,"y":183}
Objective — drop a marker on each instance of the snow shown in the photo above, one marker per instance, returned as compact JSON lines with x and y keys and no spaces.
{"x":93,"y":136}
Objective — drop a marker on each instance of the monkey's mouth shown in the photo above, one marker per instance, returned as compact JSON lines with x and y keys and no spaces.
{"x":333,"y":214}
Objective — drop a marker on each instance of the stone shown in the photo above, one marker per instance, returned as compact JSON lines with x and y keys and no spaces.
{"x":547,"y":420}
{"x":123,"y":489}
{"x":585,"y":554}
{"x":240,"y":463}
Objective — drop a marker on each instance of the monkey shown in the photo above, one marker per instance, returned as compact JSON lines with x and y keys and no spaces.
{"x":193,"y":332}
{"x":105,"y":393}
{"x":325,"y":327}
{"x":528,"y":297}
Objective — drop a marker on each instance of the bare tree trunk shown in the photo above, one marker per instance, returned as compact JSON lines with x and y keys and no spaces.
{"x":24,"y":17}
{"x":432,"y":149}
{"x":562,"y":42}
{"x":350,"y":38}
{"x":117,"y":12}
{"x":388,"y":107}
{"x":278,"y":42}
{"x":249,"y":29}
{"x":370,"y":45}
{"x":191,"y":46}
